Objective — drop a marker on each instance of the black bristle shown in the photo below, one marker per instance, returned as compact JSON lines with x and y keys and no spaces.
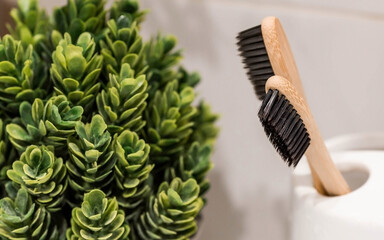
{"x":255,"y":58}
{"x":284,"y":127}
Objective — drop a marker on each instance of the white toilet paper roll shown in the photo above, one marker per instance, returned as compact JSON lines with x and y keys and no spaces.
{"x":358,"y":215}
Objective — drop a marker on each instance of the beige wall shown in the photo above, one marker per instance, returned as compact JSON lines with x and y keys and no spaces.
{"x":339,"y":50}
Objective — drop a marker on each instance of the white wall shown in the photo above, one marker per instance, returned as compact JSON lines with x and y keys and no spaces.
{"x":339,"y":48}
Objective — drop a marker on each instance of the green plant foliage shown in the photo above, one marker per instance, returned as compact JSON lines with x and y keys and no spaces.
{"x":162,"y":60}
{"x":187,"y":79}
{"x":31,"y":24}
{"x":7,"y":153}
{"x":98,"y":122}
{"x":75,"y":70}
{"x":91,"y":160}
{"x":22,"y":219}
{"x":32,"y":27}
{"x":123,"y":101}
{"x":3,"y":150}
{"x":98,"y":218}
{"x":171,"y":213}
{"x":129,"y":9}
{"x":49,"y":124}
{"x":131,"y":171}
{"x":205,"y":131}
{"x":17,"y":80}
{"x":169,"y":121}
{"x":80,"y":16}
{"x":43,"y":175}
{"x":195,"y":164}
{"x":122,"y":44}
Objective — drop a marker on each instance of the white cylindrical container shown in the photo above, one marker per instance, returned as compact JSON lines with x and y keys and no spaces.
{"x":358,"y":215}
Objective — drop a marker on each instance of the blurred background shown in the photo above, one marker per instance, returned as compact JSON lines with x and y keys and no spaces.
{"x":339,"y":49}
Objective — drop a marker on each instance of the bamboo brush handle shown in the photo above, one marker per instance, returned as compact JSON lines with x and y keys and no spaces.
{"x":283,"y":64}
{"x":317,"y":154}
{"x":279,"y":52}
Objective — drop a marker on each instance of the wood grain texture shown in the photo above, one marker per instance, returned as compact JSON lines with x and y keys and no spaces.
{"x":279,"y":52}
{"x":317,"y":154}
{"x":283,"y":64}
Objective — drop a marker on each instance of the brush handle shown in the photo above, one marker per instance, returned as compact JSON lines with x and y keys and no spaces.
{"x":283,"y":64}
{"x":279,"y":52}
{"x":317,"y":154}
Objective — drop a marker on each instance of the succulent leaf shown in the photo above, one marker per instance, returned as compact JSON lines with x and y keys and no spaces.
{"x":20,"y":218}
{"x":169,"y":121}
{"x":8,"y":154}
{"x":196,"y":163}
{"x":80,"y":16}
{"x":122,"y":44}
{"x":43,"y":175}
{"x":162,"y":60}
{"x":98,"y":218}
{"x":187,"y":79}
{"x":171,"y":212}
{"x":49,"y":124}
{"x":128,"y":8}
{"x":205,"y":131}
{"x":3,"y":148}
{"x":85,"y":102}
{"x":75,"y":70}
{"x":32,"y":25}
{"x":131,"y":171}
{"x":123,"y":101}
{"x":18,"y":82}
{"x":91,"y":160}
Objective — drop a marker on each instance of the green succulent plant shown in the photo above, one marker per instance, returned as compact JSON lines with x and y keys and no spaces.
{"x":43,"y":175}
{"x":171,"y":212}
{"x":91,"y":159}
{"x":75,"y":70}
{"x":8,"y":154}
{"x":187,"y":79}
{"x":98,"y":218}
{"x":122,"y":44}
{"x":131,"y":171}
{"x":123,"y":101}
{"x":205,"y":131}
{"x":49,"y":124}
{"x":31,"y":24}
{"x":22,"y":219}
{"x":162,"y":60}
{"x":195,"y":164}
{"x":129,"y":9}
{"x":18,"y":82}
{"x":98,"y":122}
{"x":170,"y":122}
{"x":3,"y":148}
{"x":80,"y":16}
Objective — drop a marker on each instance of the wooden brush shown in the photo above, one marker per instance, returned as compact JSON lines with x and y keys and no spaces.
{"x":266,"y":52}
{"x":290,"y":126}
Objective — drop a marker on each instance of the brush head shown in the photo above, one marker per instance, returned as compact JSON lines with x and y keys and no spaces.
{"x":284,"y":127}
{"x":255,"y":58}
